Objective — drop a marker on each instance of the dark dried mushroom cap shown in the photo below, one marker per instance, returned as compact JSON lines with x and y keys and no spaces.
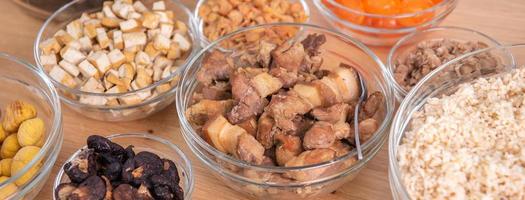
{"x":103,"y":145}
{"x":109,"y":189}
{"x":82,"y":167}
{"x":143,"y":193}
{"x":63,"y":190}
{"x":109,"y":166}
{"x":169,"y":169}
{"x":93,"y":188}
{"x":124,"y":192}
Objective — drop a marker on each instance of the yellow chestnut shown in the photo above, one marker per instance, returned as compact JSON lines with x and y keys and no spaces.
{"x":5,"y":166}
{"x":8,"y":189}
{"x":21,"y":159}
{"x":9,"y":147}
{"x":31,"y":132}
{"x":16,"y":113}
{"x":3,"y":134}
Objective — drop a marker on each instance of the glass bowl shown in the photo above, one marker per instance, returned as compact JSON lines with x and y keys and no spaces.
{"x":409,"y":43}
{"x":386,"y":30}
{"x":199,"y":23}
{"x":435,"y":84}
{"x":20,"y":80}
{"x":146,"y":142}
{"x":71,"y":96}
{"x":239,"y":175}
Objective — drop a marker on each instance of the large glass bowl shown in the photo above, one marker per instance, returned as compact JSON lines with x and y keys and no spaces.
{"x":146,"y":142}
{"x":385,"y":34}
{"x":20,"y":80}
{"x":235,"y":173}
{"x":410,"y":42}
{"x":71,"y":96}
{"x":441,"y":82}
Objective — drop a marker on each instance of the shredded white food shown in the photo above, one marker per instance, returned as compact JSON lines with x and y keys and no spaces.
{"x":469,"y":145}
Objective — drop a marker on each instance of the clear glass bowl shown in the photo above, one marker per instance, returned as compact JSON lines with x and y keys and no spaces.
{"x":388,"y":32}
{"x":199,"y":23}
{"x":20,"y":80}
{"x":146,"y":142}
{"x":435,"y":84}
{"x":409,"y":43}
{"x":236,"y":174}
{"x":71,"y":96}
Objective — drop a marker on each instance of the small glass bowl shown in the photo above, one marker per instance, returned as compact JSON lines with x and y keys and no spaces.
{"x":146,"y":142}
{"x":20,"y":80}
{"x":410,"y":42}
{"x":149,"y":106}
{"x":239,"y":175}
{"x":199,"y":23}
{"x":436,"y":83}
{"x":388,"y":32}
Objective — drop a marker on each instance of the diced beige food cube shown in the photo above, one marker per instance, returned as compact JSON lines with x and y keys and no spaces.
{"x":123,"y":9}
{"x":61,"y":76}
{"x":102,"y":38}
{"x":150,"y":20}
{"x":166,"y":72}
{"x":92,"y":85}
{"x":90,"y":28}
{"x":48,"y":60}
{"x":116,"y":89}
{"x":151,"y":51}
{"x":131,"y":99}
{"x":143,"y":78}
{"x":74,"y":29}
{"x":50,"y":46}
{"x":117,"y":40}
{"x":126,"y":71}
{"x":162,"y":62}
{"x":142,"y":58}
{"x":161,"y":43}
{"x":85,"y":44}
{"x":163,"y":88}
{"x":157,"y":73}
{"x":84,"y":17}
{"x":130,"y":55}
{"x":174,"y":51}
{"x":184,"y":44}
{"x":181,"y":26}
{"x":152,"y":33}
{"x":100,"y":60}
{"x":166,"y":30}
{"x":113,"y":77}
{"x":134,"y":15}
{"x":69,"y":67}
{"x":116,"y":57}
{"x":134,"y":39}
{"x":93,"y":100}
{"x":159,"y":5}
{"x":110,"y":22}
{"x":106,"y":9}
{"x":88,"y":70}
{"x":63,"y":37}
{"x":75,"y":44}
{"x":144,"y":94}
{"x":129,"y":25}
{"x":72,"y":55}
{"x":139,"y":7}
{"x":164,"y":17}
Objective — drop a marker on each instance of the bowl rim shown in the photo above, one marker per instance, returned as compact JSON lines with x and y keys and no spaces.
{"x":192,"y":34}
{"x":326,"y":12}
{"x":387,"y":92}
{"x":186,"y":162}
{"x":398,"y":89}
{"x":398,"y":127}
{"x":396,"y":16}
{"x":199,"y":23}
{"x":55,"y":131}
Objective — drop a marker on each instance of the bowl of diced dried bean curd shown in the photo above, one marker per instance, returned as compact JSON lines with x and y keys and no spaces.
{"x":116,"y":60}
{"x":216,"y":18}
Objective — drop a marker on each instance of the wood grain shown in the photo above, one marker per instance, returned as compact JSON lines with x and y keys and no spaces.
{"x":504,"y":20}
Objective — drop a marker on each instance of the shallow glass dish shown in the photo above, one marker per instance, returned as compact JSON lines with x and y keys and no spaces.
{"x":199,"y":23}
{"x":388,"y":32}
{"x":440,"y":82}
{"x":71,"y":96}
{"x":235,"y":173}
{"x":20,"y":80}
{"x":146,"y":142}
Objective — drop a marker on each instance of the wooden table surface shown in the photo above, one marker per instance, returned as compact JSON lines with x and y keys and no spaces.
{"x":504,"y":20}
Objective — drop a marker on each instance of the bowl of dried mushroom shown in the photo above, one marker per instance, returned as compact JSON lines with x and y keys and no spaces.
{"x":276,"y":118}
{"x":116,"y":60}
{"x":417,"y":54}
{"x":216,"y":18}
{"x":30,"y":128}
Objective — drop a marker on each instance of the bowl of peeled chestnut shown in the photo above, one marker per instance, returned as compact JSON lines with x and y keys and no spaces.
{"x":125,"y":166}
{"x":284,"y":115}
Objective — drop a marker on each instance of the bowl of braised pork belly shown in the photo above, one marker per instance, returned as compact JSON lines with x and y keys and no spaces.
{"x":274,"y":118}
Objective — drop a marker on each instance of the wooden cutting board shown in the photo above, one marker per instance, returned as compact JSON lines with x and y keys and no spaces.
{"x":504,"y":20}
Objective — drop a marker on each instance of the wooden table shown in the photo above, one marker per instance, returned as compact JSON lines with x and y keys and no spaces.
{"x":504,"y":20}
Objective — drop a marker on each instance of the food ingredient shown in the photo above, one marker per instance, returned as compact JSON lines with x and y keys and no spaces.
{"x":16,"y":113}
{"x":430,"y":54}
{"x":21,"y":159}
{"x":5,"y":167}
{"x":106,"y":170}
{"x":221,"y":17}
{"x":9,"y":147}
{"x":470,"y":144}
{"x":31,"y":132}
{"x":123,"y":47}
{"x":8,"y":189}
{"x":285,"y":108}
